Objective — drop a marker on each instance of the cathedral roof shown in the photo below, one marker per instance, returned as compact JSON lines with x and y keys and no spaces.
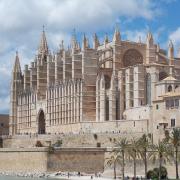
{"x":170,"y":78}
{"x":43,"y":47}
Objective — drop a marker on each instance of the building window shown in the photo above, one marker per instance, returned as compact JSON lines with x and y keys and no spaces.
{"x":173,"y":122}
{"x":157,"y":106}
{"x":172,"y":103}
{"x":2,"y":124}
{"x":134,"y":123}
{"x":169,"y":88}
{"x":176,"y":103}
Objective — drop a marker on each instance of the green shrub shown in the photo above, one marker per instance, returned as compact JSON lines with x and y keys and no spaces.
{"x":38,"y":144}
{"x":58,"y":143}
{"x":154,"y":174}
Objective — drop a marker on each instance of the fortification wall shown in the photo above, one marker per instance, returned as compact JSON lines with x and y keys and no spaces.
{"x":69,"y":140}
{"x":40,"y":160}
{"x":23,"y":160}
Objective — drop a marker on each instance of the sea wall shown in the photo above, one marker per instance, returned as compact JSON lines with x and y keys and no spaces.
{"x":23,"y":159}
{"x":40,"y":160}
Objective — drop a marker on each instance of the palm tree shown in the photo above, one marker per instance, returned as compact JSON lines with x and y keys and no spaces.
{"x":175,"y":141}
{"x":162,"y":152}
{"x":144,"y":146}
{"x":120,"y":149}
{"x":112,"y":162}
{"x":133,"y":152}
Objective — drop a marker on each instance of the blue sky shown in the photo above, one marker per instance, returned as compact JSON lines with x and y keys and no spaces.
{"x":21,"y":24}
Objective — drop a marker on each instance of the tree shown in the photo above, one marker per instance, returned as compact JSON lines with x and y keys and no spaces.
{"x":161,"y":151}
{"x":133,"y":152}
{"x":112,"y":162}
{"x":121,"y":147}
{"x":144,"y":146}
{"x":175,"y":141}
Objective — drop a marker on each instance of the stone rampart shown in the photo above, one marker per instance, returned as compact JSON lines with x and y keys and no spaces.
{"x":40,"y":160}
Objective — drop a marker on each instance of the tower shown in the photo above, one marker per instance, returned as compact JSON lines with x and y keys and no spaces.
{"x":42,"y":57}
{"x":16,"y":87}
{"x":150,"y":49}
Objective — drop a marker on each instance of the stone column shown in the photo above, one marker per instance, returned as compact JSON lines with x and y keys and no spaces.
{"x":121,"y":80}
{"x":97,"y":99}
{"x":102,"y":99}
{"x":112,"y":99}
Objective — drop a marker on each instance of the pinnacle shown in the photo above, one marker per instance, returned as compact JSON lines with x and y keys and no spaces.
{"x":17,"y":67}
{"x":43,"y":48}
{"x":116,"y":36}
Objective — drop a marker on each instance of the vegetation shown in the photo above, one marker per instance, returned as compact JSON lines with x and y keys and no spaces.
{"x":112,"y":161}
{"x":133,"y":152}
{"x":161,"y":152}
{"x":38,"y":144}
{"x":154,"y":174}
{"x":58,"y":143}
{"x":142,"y":149}
{"x":174,"y":140}
{"x":144,"y":145}
{"x":120,"y":150}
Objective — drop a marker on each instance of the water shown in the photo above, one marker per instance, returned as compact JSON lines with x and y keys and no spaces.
{"x":23,"y":178}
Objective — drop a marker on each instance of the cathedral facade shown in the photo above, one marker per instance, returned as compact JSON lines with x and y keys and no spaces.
{"x":114,"y":86}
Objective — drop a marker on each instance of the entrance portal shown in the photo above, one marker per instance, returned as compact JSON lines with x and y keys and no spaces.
{"x":41,"y":123}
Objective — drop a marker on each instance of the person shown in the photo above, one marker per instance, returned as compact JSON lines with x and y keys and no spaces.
{"x":91,"y":177}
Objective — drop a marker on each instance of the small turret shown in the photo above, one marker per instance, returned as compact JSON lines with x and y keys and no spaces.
{"x":85,"y":43}
{"x":106,"y":40}
{"x":74,"y":41}
{"x":117,"y":36}
{"x":95,"y":41}
{"x":149,"y":40}
{"x":150,"y":49}
{"x":171,"y":53}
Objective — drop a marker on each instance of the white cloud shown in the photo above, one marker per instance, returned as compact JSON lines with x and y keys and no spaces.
{"x":175,"y":37}
{"x":21,"y":22}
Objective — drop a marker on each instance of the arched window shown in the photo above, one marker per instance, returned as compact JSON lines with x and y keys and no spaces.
{"x":162,"y":75}
{"x":132,"y":57}
{"x":169,"y":88}
{"x":148,"y":89}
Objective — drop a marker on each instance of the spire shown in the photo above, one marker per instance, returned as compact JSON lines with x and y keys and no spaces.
{"x":17,"y":66}
{"x":106,"y":40}
{"x":43,"y":47}
{"x":85,"y":43}
{"x":95,"y":41}
{"x":117,"y":36}
{"x":74,"y":40}
{"x":171,"y":52}
{"x":149,"y":40}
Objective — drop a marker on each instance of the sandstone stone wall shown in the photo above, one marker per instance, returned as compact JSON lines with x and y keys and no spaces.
{"x":23,"y":160}
{"x":39,"y":160}
{"x":88,"y":160}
